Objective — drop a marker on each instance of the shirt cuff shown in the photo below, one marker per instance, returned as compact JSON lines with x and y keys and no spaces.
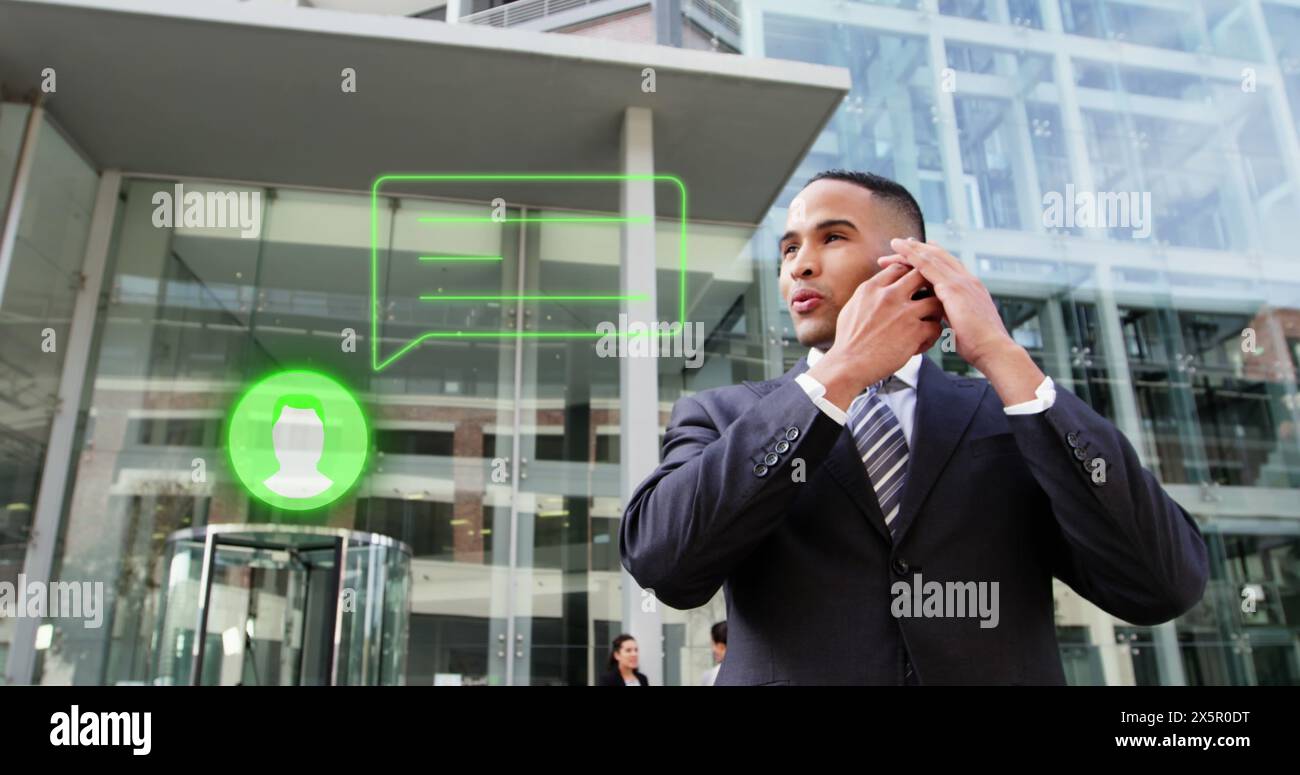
{"x":817,"y":392}
{"x":1046,"y":396}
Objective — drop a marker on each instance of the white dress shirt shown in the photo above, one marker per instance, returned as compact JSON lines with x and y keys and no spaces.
{"x":899,"y":394}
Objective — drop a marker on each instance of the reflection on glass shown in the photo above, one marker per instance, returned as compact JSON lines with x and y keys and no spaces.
{"x":1178,"y":322}
{"x":40,"y":288}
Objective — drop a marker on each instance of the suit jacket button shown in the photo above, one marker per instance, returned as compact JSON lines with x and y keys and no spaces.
{"x":791,"y":433}
{"x":760,"y":470}
{"x":783,"y":446}
{"x":1072,"y":438}
{"x":771,"y":459}
{"x":900,"y":566}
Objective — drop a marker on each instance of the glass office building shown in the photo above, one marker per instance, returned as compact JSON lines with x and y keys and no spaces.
{"x":1183,"y":330}
{"x":487,"y":516}
{"x":499,"y":463}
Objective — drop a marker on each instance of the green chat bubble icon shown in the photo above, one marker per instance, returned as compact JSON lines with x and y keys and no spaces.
{"x":297,"y":440}
{"x":438,"y":248}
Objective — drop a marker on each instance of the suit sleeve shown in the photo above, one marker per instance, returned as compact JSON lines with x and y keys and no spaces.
{"x":1124,"y":543}
{"x":718,"y":493}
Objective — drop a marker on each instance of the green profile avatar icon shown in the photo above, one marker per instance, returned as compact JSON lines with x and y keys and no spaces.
{"x":297,"y":440}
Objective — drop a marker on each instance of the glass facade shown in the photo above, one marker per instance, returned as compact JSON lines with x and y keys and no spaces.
{"x":36,"y":304}
{"x":1181,"y":329}
{"x":496,"y":460}
{"x":514,"y":578}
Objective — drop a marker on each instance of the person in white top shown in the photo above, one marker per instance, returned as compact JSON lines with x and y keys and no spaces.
{"x":718,"y":632}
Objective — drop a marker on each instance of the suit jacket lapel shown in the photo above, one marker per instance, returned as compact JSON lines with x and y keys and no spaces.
{"x":844,"y":463}
{"x":846,"y":467}
{"x":763,"y":387}
{"x":944,"y":408}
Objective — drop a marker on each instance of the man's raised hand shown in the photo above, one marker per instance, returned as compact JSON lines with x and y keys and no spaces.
{"x":876,"y":331}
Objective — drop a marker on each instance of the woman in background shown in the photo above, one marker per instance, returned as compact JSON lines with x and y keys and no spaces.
{"x":623,"y":660}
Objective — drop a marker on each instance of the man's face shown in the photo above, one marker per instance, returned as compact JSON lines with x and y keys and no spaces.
{"x":835,"y":232}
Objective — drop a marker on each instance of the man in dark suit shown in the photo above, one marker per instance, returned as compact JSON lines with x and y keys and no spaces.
{"x":875,"y":520}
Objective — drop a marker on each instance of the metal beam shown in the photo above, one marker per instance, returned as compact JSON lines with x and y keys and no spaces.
{"x":18,"y":193}
{"x":57,"y":466}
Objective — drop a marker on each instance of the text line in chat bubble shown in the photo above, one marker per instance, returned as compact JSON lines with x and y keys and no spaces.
{"x":391,"y":291}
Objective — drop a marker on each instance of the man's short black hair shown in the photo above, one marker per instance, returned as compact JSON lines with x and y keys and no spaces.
{"x":719,"y":633}
{"x":890,"y":191}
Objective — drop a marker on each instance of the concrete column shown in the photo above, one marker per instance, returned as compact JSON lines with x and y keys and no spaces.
{"x":39,"y":563}
{"x":668,"y":22}
{"x":949,"y":146}
{"x":639,"y":377}
{"x":1169,"y":657}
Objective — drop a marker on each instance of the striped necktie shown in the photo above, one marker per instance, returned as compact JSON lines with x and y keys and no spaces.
{"x":883,"y":449}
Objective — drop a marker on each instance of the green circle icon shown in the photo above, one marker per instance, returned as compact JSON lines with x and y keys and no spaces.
{"x":297,"y":440}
